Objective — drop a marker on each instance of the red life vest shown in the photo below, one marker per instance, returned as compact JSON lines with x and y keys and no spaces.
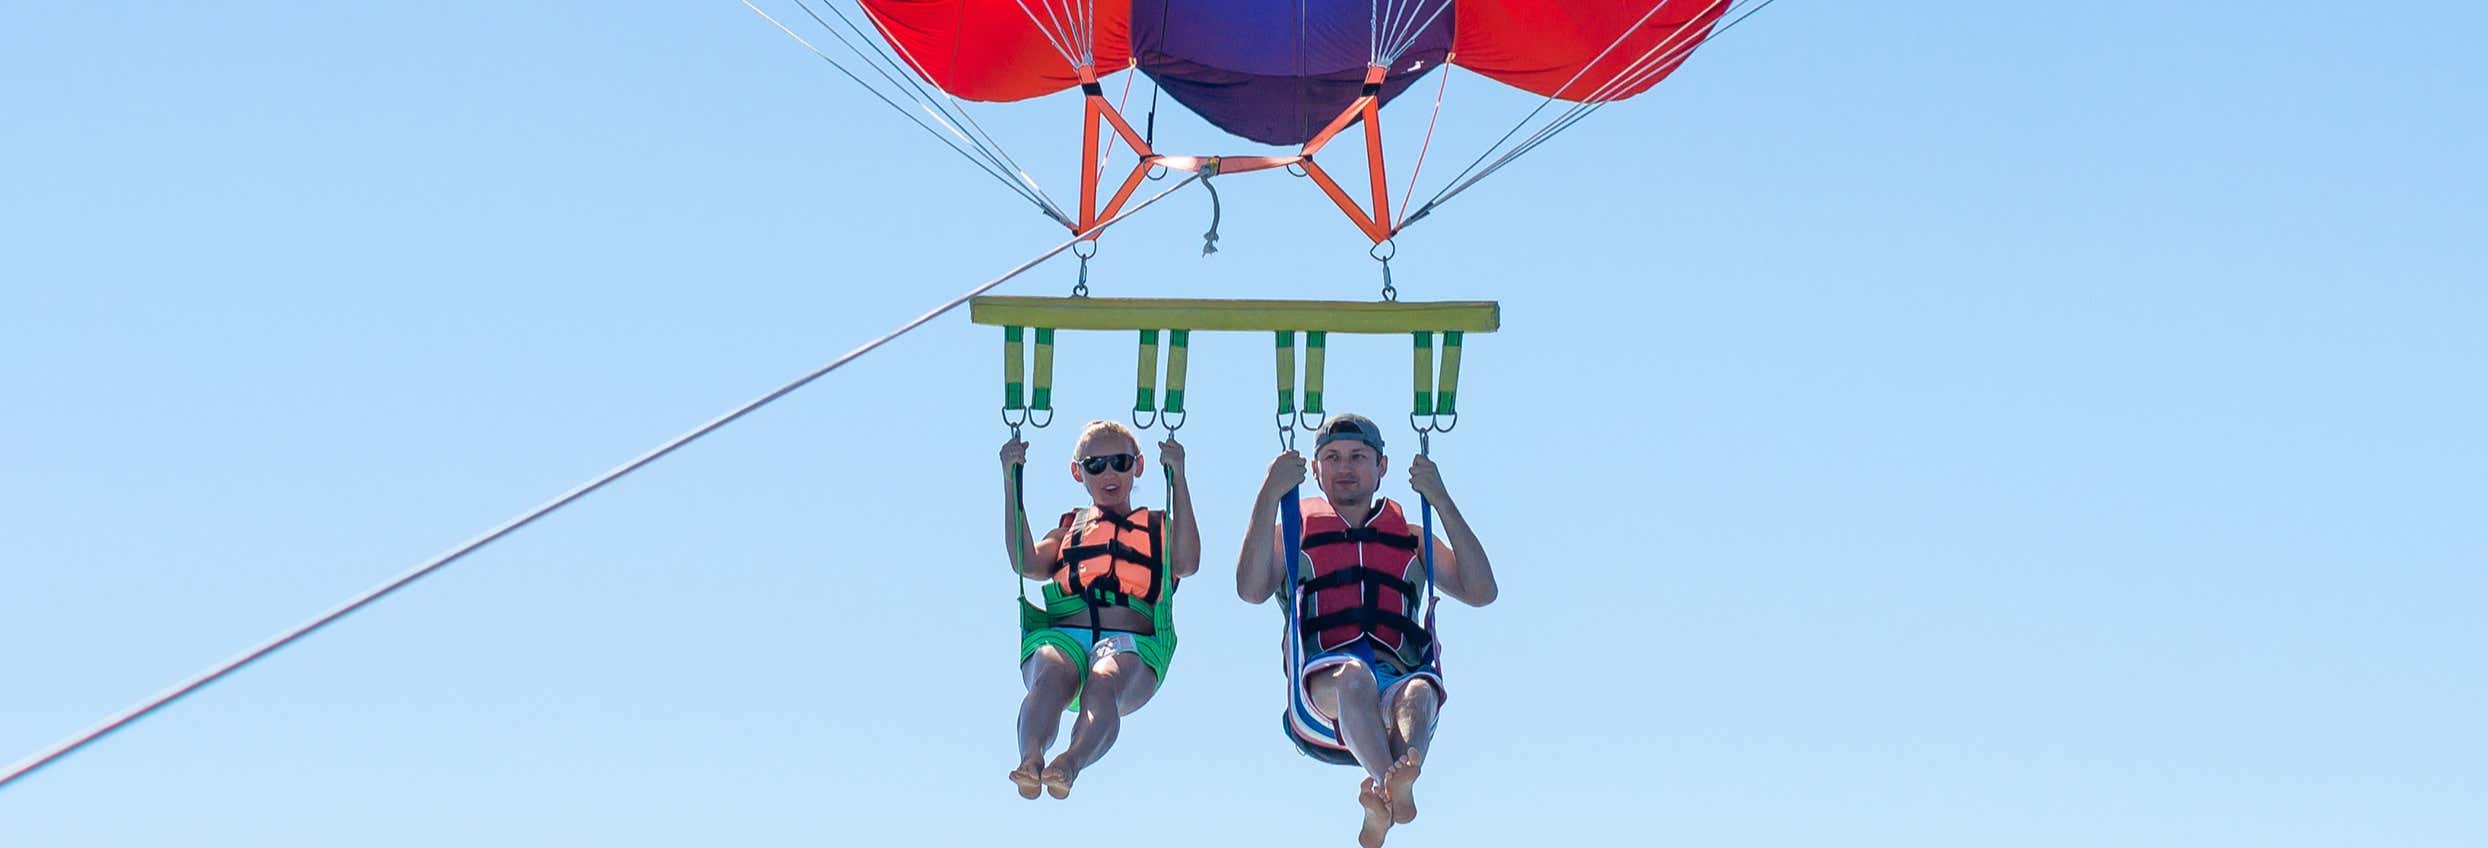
{"x":1361,"y":585}
{"x":1109,"y":560}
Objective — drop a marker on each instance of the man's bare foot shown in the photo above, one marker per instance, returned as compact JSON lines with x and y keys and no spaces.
{"x":1059,"y":777}
{"x":1399,"y":786}
{"x":1377,"y":815}
{"x":1025,"y":777}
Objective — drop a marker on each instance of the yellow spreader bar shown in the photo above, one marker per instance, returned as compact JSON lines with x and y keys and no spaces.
{"x":1269,"y":316}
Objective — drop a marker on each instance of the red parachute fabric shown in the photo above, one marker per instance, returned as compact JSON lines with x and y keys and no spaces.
{"x":999,"y":50}
{"x":994,"y":50}
{"x":1541,"y":45}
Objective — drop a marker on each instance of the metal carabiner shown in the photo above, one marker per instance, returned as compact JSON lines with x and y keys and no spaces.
{"x":1390,"y":293}
{"x":1082,"y":289}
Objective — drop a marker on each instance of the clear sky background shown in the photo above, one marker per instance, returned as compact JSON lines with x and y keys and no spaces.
{"x":1957,"y":424}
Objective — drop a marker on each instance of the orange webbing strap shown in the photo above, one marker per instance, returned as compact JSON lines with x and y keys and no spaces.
{"x":1367,"y":107}
{"x":1095,"y":108}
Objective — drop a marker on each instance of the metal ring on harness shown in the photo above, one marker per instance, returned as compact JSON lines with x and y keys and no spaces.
{"x":1383,"y":251}
{"x":1081,"y":289}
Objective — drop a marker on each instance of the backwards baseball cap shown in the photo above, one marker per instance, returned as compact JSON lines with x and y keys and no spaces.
{"x":1348,"y":426}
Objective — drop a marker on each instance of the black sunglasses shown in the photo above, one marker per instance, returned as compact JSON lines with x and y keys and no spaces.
{"x":1099,"y":464}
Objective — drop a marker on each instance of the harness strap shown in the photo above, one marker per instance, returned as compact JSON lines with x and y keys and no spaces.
{"x":1366,"y":619}
{"x":1355,"y":535}
{"x":1355,"y":574}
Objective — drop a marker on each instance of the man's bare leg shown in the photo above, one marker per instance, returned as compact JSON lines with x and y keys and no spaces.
{"x":1117,"y":685}
{"x":1051,"y":679}
{"x":1347,"y":692}
{"x":1412,"y":708}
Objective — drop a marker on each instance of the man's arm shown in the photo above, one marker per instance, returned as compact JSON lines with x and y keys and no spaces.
{"x":1461,"y":570}
{"x":1261,"y":565}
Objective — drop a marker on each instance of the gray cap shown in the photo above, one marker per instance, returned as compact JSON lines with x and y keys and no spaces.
{"x":1348,"y":426}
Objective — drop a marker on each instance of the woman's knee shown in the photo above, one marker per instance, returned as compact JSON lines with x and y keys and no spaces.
{"x":1050,"y":668}
{"x":1112,"y":671}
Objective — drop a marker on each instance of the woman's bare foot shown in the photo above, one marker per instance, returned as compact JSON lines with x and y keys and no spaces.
{"x":1399,"y":786}
{"x":1025,"y":777}
{"x":1059,"y":777}
{"x":1377,"y":815}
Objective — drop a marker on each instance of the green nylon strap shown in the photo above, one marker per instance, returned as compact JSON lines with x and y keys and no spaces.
{"x":1424,"y":372}
{"x":1145,"y":399}
{"x":1314,"y":347}
{"x":1287,"y":372}
{"x":1447,"y":391}
{"x":1012,"y":374}
{"x":1178,"y":360}
{"x":1042,"y":394}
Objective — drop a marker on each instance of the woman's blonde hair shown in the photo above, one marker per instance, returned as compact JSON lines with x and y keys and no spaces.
{"x":1099,"y":428}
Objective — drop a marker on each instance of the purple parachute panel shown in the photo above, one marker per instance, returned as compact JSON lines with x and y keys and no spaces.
{"x":1277,"y":77}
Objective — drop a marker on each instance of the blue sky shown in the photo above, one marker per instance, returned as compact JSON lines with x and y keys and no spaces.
{"x":1963,"y":424}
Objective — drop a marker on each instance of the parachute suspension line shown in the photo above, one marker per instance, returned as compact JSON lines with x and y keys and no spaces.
{"x":1106,"y":153}
{"x":1080,"y":20}
{"x":891,"y":71}
{"x":957,"y":113}
{"x":1084,"y":29}
{"x":1641,"y":69}
{"x":1054,"y":29}
{"x":1411,"y":194}
{"x":1644,"y":69}
{"x":1374,"y":33}
{"x":1559,"y":92}
{"x":1024,"y":191}
{"x":1088,"y":35}
{"x":123,"y":719}
{"x":1401,"y":36}
{"x":1385,"y":29}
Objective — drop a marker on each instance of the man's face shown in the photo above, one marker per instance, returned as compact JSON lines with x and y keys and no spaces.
{"x":1349,"y":471}
{"x":1107,"y":485}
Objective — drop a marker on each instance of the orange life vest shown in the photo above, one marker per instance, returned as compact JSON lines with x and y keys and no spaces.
{"x":1110,"y":560}
{"x":1361,"y":583}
